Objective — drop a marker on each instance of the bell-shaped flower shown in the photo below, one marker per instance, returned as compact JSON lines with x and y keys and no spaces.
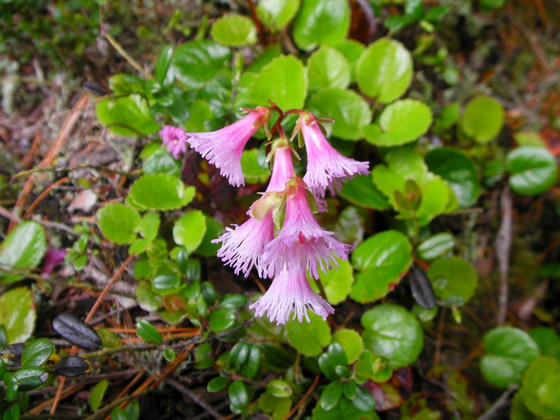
{"x":174,"y":139}
{"x":301,"y":241}
{"x":290,"y":292}
{"x":223,"y":148}
{"x":242,"y":247}
{"x":326,"y":168}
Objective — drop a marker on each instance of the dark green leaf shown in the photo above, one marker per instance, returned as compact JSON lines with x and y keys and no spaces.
{"x":147,"y":332}
{"x":221,"y":319}
{"x":435,"y":246}
{"x":330,"y":395}
{"x":37,"y":353}
{"x":363,"y":400}
{"x":217,"y":384}
{"x":362,"y":192}
{"x":454,"y":280}
{"x":238,"y":396}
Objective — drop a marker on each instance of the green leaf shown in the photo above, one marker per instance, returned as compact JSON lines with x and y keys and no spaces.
{"x":337,"y":281}
{"x":330,"y":360}
{"x":362,"y":192}
{"x":435,"y":246}
{"x":97,"y":393}
{"x":159,"y":192}
{"x":234,"y":30}
{"x":251,"y":366}
{"x":195,"y":63}
{"x":213,"y":230}
{"x":384,"y":71}
{"x":17,"y":314}
{"x":149,"y":226}
{"x":217,"y":384}
{"x":348,"y":110}
{"x":350,"y":341}
{"x":308,"y":338}
{"x":459,"y":172}
{"x":326,"y":68}
{"x":532,"y":169}
{"x":147,"y":332}
{"x":540,"y":388}
{"x":454,"y":280}
{"x":402,"y":122}
{"x":166,"y":282}
{"x":127,"y":116}
{"x":162,"y":65}
{"x":279,"y":388}
{"x":189,"y":230}
{"x":352,"y":50}
{"x":221,"y":319}
{"x":146,"y":298}
{"x":382,"y":260}
{"x":282,"y":81}
{"x":37,"y":353}
{"x":483,"y":119}
{"x":321,"y":22}
{"x":330,"y":395}
{"x":30,"y":378}
{"x":238,"y":396}
{"x":253,"y":172}
{"x":169,"y":354}
{"x":24,"y":247}
{"x":277,"y":13}
{"x":508,"y":353}
{"x":118,"y":222}
{"x":448,"y":117}
{"x":161,"y":162}
{"x":345,"y":409}
{"x":394,"y":333}
{"x":363,"y":400}
{"x":548,"y":341}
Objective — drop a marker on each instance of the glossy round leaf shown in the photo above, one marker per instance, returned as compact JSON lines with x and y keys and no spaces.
{"x":277,"y":13}
{"x":24,"y":247}
{"x":394,"y":333}
{"x":221,"y":319}
{"x":17,"y":314}
{"x":403,"y":121}
{"x":348,"y":110}
{"x":326,"y":68}
{"x":238,"y":396}
{"x":459,"y":172}
{"x":540,"y":388}
{"x":454,"y":280}
{"x":147,"y":332}
{"x":282,"y":81}
{"x":435,"y":246}
{"x":362,"y":192}
{"x":548,"y":341}
{"x":127,"y":116}
{"x":308,"y":338}
{"x":381,"y":260}
{"x":352,"y":50}
{"x":189,"y":229}
{"x":118,"y":222}
{"x":234,"y":30}
{"x":337,"y":281}
{"x":321,"y":22}
{"x":350,"y":341}
{"x":159,"y":192}
{"x":37,"y":352}
{"x":508,"y":353}
{"x":217,"y":384}
{"x":483,"y":119}
{"x":384,"y":71}
{"x":195,"y":63}
{"x":532,"y":169}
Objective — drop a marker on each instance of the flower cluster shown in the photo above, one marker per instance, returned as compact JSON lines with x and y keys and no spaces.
{"x":281,"y":238}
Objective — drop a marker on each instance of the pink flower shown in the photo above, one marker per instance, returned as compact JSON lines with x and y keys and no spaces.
{"x":242,"y":247}
{"x":175,"y":139}
{"x":223,"y":148}
{"x":325,"y":166}
{"x":301,"y":241}
{"x":289,"y":292}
